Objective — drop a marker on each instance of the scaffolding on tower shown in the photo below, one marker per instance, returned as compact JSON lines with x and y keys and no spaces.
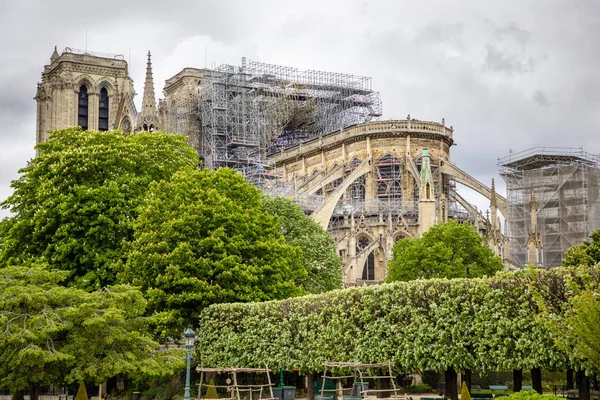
{"x":565,"y":184}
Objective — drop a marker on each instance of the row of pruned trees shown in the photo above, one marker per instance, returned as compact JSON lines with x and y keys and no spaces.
{"x":512,"y":321}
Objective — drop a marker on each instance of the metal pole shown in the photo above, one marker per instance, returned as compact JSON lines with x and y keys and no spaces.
{"x":186,"y":395}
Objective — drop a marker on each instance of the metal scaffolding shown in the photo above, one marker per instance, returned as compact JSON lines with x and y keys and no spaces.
{"x":235,"y":116}
{"x":565,"y":184}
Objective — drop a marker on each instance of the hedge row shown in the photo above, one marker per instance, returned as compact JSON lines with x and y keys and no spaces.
{"x":489,"y":323}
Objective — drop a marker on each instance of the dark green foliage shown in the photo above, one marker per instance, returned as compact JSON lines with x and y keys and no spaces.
{"x":449,"y":250}
{"x":477,"y":324}
{"x":322,"y":264}
{"x":54,"y":334}
{"x":203,"y":238}
{"x":75,"y":204}
{"x":419,"y":388}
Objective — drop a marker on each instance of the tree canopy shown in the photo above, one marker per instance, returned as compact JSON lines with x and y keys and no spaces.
{"x":55,"y":334}
{"x":76,"y":202}
{"x":449,"y":250}
{"x":319,"y":258}
{"x":202,"y":238}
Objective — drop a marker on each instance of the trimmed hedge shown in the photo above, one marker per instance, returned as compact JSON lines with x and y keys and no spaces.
{"x":488,"y":323}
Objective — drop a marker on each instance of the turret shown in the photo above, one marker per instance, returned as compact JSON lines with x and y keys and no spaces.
{"x":426,"y":195}
{"x":54,"y":55}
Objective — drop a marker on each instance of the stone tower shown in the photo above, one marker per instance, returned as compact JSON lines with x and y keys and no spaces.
{"x":426,"y":195}
{"x":80,"y":88}
{"x":148,"y":118}
{"x":534,"y":240}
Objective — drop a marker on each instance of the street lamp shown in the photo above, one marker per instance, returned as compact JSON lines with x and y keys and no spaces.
{"x":190,"y":338}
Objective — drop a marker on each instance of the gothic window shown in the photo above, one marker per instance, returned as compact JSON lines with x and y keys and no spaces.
{"x":362,"y":243}
{"x":103,"y":110}
{"x":82,"y":108}
{"x":357,"y":190}
{"x":369,"y":268}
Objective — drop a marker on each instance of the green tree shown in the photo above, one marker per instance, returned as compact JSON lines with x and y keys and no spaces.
{"x":57,"y":334}
{"x":204,"y":238}
{"x":580,"y":331}
{"x":322,"y":264}
{"x":587,"y":253}
{"x":449,"y":250}
{"x":75,"y":203}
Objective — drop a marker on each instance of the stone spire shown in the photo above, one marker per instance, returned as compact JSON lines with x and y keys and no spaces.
{"x":494,"y":206}
{"x":148,"y":118}
{"x":54,"y":55}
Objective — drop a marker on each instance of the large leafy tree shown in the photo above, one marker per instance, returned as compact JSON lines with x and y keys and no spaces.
{"x":587,"y":253}
{"x":449,"y":250}
{"x":57,"y":334}
{"x":203,"y":238}
{"x":322,"y":264}
{"x":75,"y":203}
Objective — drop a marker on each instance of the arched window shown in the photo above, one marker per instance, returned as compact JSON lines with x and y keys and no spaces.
{"x":82,"y":108}
{"x":103,"y":110}
{"x":369,"y":268}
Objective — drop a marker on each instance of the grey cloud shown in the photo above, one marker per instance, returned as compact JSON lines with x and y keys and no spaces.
{"x":502,"y":61}
{"x":443,"y":32}
{"x":540,"y":98}
{"x":514,"y":31}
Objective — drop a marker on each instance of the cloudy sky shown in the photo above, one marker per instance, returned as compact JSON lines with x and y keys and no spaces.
{"x":507,"y":74}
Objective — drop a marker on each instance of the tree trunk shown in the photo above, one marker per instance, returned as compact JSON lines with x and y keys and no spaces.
{"x":466,"y":378}
{"x":35,"y":392}
{"x":310,"y":386}
{"x":18,"y":395}
{"x":570,"y":381}
{"x":450,"y":377}
{"x":584,"y":386}
{"x":536,"y":379}
{"x":517,"y":380}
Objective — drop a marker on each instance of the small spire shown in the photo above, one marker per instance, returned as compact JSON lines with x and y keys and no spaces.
{"x":148,"y":118}
{"x":426,"y":190}
{"x":493,"y":195}
{"x":54,"y":55}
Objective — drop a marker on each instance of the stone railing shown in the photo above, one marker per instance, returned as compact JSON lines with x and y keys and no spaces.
{"x":408,"y":126}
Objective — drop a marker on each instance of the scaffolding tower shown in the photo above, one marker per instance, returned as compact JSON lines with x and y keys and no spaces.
{"x":565,"y":185}
{"x":246,"y":112}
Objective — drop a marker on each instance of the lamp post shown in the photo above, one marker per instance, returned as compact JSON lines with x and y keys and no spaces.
{"x":190,"y":338}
